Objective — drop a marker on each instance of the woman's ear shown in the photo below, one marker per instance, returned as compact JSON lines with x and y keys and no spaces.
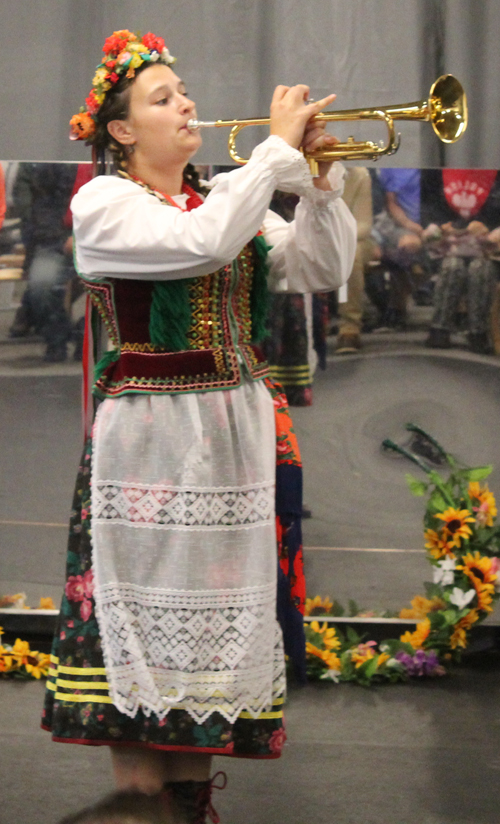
{"x":121,"y":132}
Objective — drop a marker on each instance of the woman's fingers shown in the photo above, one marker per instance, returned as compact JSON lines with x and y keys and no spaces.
{"x":290,"y":114}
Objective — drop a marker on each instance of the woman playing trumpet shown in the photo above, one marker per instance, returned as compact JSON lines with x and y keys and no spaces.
{"x":170,"y":608}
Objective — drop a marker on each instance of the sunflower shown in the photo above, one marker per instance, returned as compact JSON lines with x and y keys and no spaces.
{"x":417,"y":638}
{"x":360,"y":658}
{"x":485,"y":594}
{"x":328,"y":636}
{"x":459,"y":637}
{"x":421,"y":607}
{"x":317,"y":606}
{"x":479,"y":567}
{"x":329,"y":658}
{"x":487,"y":509}
{"x":437,"y":544}
{"x":21,"y":649}
{"x":455,"y":524}
{"x":38,"y":665}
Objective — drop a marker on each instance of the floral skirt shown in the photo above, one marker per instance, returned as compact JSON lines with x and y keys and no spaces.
{"x":78,"y":708}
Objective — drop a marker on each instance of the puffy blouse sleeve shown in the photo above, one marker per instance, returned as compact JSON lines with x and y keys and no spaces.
{"x":122,"y":231}
{"x":315,"y":252}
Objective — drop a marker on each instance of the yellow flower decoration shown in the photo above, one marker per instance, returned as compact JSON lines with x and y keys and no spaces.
{"x":455,"y":524}
{"x":383,"y":657}
{"x":478,"y":568}
{"x":47,"y":603}
{"x":487,"y":509}
{"x":137,"y":47}
{"x":136,"y":61}
{"x":438,"y":545}
{"x":417,"y":638}
{"x":38,"y":665}
{"x":329,"y":636}
{"x":459,"y":637}
{"x":317,"y":604}
{"x":421,"y":607}
{"x":331,"y":660}
{"x":485,"y":594}
{"x":99,"y":76}
{"x":21,"y":648}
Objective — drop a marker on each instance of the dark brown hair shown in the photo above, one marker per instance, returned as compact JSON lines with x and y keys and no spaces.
{"x":116,"y":107}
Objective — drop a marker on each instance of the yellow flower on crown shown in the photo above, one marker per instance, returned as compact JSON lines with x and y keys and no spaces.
{"x":137,"y":47}
{"x":136,"y":61}
{"x":99,"y":76}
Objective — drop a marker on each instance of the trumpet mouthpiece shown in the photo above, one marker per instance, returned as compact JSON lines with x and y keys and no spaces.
{"x":193,"y":125}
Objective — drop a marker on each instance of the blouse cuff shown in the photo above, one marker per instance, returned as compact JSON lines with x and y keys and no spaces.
{"x":321,"y":198}
{"x":288,"y":166}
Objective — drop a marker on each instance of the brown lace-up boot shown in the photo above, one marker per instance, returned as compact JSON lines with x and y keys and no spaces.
{"x":193,"y":798}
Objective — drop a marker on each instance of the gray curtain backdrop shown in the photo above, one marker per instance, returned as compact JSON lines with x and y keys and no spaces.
{"x":232,"y":53}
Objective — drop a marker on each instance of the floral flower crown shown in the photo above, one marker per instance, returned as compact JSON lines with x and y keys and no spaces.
{"x":124,"y":52}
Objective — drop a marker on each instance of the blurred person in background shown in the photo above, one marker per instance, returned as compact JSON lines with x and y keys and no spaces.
{"x":358,"y":196}
{"x":462,"y":210}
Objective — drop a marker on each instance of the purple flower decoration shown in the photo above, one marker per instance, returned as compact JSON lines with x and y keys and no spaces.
{"x":422,"y":663}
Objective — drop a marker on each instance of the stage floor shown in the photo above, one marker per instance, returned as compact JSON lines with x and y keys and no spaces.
{"x":423,"y":753}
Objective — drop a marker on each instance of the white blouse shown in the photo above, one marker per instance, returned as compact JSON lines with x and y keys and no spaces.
{"x":121,"y":231}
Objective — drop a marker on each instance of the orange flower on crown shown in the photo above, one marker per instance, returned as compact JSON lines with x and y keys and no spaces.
{"x":438,"y":544}
{"x":82,"y":126}
{"x":456,"y":524}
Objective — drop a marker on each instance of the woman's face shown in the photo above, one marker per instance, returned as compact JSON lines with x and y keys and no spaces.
{"x":158,"y":114}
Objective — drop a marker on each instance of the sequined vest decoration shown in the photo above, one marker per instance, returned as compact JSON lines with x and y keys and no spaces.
{"x":224,"y":310}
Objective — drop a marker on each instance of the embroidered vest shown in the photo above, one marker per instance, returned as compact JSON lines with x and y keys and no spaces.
{"x":188,"y":335}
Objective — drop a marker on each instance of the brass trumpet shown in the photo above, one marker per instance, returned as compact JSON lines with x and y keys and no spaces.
{"x":445,"y":109}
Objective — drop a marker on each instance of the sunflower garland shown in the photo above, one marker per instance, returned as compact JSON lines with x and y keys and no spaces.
{"x":19,"y":661}
{"x":463,"y":547}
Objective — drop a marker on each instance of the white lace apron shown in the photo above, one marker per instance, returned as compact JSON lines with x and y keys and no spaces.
{"x":184,"y":552}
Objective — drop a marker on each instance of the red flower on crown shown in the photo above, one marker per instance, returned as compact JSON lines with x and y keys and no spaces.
{"x":116,"y":43}
{"x":92,"y":103}
{"x":153,"y":43}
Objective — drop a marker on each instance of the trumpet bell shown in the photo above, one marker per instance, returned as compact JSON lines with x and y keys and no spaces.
{"x":448,"y":108}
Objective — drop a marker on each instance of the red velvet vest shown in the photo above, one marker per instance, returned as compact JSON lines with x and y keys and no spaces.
{"x":218,"y":344}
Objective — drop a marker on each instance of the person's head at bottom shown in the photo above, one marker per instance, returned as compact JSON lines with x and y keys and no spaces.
{"x":128,"y":807}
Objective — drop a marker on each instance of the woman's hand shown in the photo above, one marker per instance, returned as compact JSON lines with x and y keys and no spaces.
{"x":477,"y":228}
{"x":316,"y":137}
{"x":290,"y":114}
